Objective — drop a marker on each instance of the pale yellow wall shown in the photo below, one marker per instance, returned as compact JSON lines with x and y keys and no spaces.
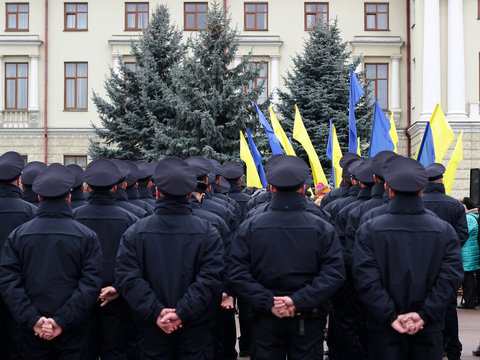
{"x":472,"y":51}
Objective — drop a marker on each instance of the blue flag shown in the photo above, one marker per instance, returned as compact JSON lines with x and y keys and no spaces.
{"x":380,"y":139}
{"x":356,"y":93}
{"x":272,"y":139}
{"x":329,"y":152}
{"x":257,"y":159}
{"x":426,"y":153}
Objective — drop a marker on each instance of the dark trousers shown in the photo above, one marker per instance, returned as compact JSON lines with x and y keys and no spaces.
{"x":274,"y":339}
{"x":70,"y":345}
{"x":188,"y":343}
{"x":391,"y":345}
{"x":225,"y":335}
{"x":108,"y":336}
{"x":10,"y":335}
{"x":244,"y":321}
{"x":452,"y":344}
{"x":470,"y":289}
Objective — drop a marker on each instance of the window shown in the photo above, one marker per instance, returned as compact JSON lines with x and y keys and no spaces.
{"x":256,"y":16}
{"x":76,"y":82}
{"x":377,"y":74}
{"x":195,"y":15}
{"x":136,"y":16}
{"x":17,"y":17}
{"x":16,"y":86}
{"x":260,"y":80}
{"x":132,"y":66}
{"x":314,"y":13}
{"x":25,"y":159}
{"x":376,"y":16}
{"x":80,"y":160}
{"x":76,"y":16}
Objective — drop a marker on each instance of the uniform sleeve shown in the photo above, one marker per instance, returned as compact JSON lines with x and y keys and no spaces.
{"x":11,"y":286}
{"x":349,"y":234}
{"x":330,"y":277}
{"x":367,"y":280}
{"x":240,"y":277}
{"x":132,"y":286}
{"x":76,"y":308}
{"x":461,"y":226}
{"x":208,"y":282}
{"x":448,"y":279}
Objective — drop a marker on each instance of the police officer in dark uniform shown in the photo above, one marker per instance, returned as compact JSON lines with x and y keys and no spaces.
{"x":77,"y":194}
{"x":110,"y":318}
{"x":30,"y":171}
{"x":121,"y":196}
{"x":169,"y":270}
{"x":132,"y":191}
{"x":217,"y":191}
{"x":286,"y":263}
{"x":406,"y":265}
{"x":233,"y":172}
{"x":13,"y":212}
{"x":452,"y":211}
{"x":50,"y":273}
{"x":145,"y":172}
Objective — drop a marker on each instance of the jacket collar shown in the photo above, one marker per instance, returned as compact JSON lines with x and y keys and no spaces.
{"x":103,"y":197}
{"x":434,"y":188}
{"x":365,"y":193}
{"x":235,"y":188}
{"x":378,"y":190}
{"x":77,"y":194}
{"x":144,"y":192}
{"x":354,"y":190}
{"x":132,"y":193}
{"x":120,"y":195}
{"x":287,"y":200}
{"x":406,"y":204}
{"x":54,"y":208}
{"x":10,"y":191}
{"x":168,"y":205}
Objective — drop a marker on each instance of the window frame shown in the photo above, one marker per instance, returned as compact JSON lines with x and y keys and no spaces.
{"x":76,"y":157}
{"x":196,"y":28}
{"x":376,"y":16}
{"x":76,"y":77}
{"x":17,"y":12}
{"x":316,"y":13}
{"x":65,"y":28}
{"x":376,"y":81}
{"x":257,"y":78}
{"x":256,"y":12}
{"x":136,"y":12}
{"x":16,"y":108}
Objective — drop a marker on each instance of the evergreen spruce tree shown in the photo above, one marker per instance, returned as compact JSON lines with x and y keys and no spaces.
{"x":319,"y":83}
{"x":209,"y":95}
{"x":136,"y":108}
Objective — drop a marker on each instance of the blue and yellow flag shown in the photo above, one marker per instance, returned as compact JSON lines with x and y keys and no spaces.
{"x":457,"y":156}
{"x":356,"y":92}
{"x":380,"y":139}
{"x":252,"y":175}
{"x":272,"y":139}
{"x":280,"y":134}
{"x":393,"y":132}
{"x":334,"y":153}
{"x":442,"y":133}
{"x":257,"y":159}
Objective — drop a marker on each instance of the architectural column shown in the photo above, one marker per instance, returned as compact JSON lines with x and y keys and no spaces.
{"x":274,"y":81}
{"x":456,"y":62}
{"x":33,"y":84}
{"x":237,"y":60}
{"x":431,"y":93}
{"x":2,"y":95}
{"x":117,"y":61}
{"x":395,"y":88}
{"x":359,"y":67}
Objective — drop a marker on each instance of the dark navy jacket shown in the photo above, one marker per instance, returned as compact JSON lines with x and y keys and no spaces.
{"x":220,"y":210}
{"x":404,"y":261}
{"x":146,"y":195}
{"x":13,"y":210}
{"x":240,"y":197}
{"x":335,"y":206}
{"x":51,"y":266}
{"x":217,"y":192}
{"x":109,"y":222}
{"x":134,"y":198}
{"x":263,"y":197}
{"x":335,"y":194}
{"x":78,"y":198}
{"x":286,"y":251}
{"x":29,"y":195}
{"x":171,"y":259}
{"x":447,"y":208}
{"x":121,"y":199}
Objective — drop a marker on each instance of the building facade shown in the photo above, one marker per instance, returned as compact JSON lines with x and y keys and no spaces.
{"x":54,"y":54}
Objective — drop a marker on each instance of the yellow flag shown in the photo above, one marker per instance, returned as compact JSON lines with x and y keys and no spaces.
{"x":337,"y":155}
{"x":359,"y":153}
{"x":300,"y":134}
{"x":252,"y":173}
{"x":280,"y":134}
{"x":441,"y":132}
{"x":457,"y":156}
{"x":393,"y":133}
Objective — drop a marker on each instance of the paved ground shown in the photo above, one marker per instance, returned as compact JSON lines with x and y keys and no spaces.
{"x":469,"y":325}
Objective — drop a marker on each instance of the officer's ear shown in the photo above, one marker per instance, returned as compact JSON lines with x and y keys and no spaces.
{"x":218,"y":181}
{"x":239,"y":181}
{"x":391,"y":193}
{"x":83,"y":188}
{"x":420,"y":193}
{"x":136,"y":185}
{"x":209,"y":187}
{"x":18,"y":182}
{"x":114,"y":189}
{"x":302,"y":190}
{"x":124,"y":185}
{"x":23,"y":187}
{"x":189,"y":196}
{"x":271,"y":188}
{"x":150,"y":183}
{"x":159,"y":194}
{"x":39,"y":198}
{"x":89,"y":189}
{"x":69,"y":198}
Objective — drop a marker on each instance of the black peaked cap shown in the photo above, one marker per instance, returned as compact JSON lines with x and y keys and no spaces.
{"x":102,"y":173}
{"x":364,"y":172}
{"x":435,"y":171}
{"x":232,"y":170}
{"x":217,"y":167}
{"x":173,"y":176}
{"x":122,"y":168}
{"x":78,"y":173}
{"x":200,"y":166}
{"x":53,"y":181}
{"x":406,"y":175}
{"x":380,"y":159}
{"x":287,"y":172}
{"x":133,"y":176}
{"x":11,"y":165}
{"x":145,"y":169}
{"x":348,"y":157}
{"x":271,"y":162}
{"x":30,"y":171}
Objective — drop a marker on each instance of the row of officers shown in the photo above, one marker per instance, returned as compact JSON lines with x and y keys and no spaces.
{"x":152,"y":262}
